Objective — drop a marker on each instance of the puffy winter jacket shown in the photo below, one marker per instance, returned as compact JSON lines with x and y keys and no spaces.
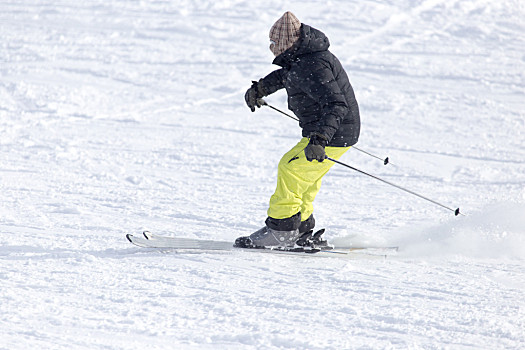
{"x":319,"y":92}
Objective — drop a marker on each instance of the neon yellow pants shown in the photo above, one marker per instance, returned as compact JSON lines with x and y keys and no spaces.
{"x":299,"y":181}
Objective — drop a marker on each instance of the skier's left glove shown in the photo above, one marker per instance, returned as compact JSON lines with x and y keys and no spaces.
{"x":253,"y":94}
{"x":315,"y":148}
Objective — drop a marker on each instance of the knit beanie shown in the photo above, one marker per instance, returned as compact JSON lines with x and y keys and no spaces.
{"x":284,"y":33}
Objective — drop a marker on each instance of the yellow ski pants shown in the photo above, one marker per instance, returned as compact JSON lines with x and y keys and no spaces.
{"x":299,"y":181}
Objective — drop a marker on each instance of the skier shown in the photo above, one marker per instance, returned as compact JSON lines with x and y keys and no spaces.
{"x":321,"y":96}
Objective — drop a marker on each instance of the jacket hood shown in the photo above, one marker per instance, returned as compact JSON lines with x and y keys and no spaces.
{"x":310,"y":40}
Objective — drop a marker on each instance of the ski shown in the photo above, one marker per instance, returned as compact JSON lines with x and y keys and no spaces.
{"x":149,"y":240}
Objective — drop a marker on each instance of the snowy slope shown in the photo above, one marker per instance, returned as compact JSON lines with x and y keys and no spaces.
{"x":118,"y":116}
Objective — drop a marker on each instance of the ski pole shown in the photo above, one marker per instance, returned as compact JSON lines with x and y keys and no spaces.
{"x":263,"y":103}
{"x":455,"y":211}
{"x":385,"y":161}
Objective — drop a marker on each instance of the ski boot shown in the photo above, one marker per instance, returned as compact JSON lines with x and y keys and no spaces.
{"x":313,"y":240}
{"x":243,"y":242}
{"x":268,"y":238}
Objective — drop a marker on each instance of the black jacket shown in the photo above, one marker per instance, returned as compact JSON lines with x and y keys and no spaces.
{"x":319,"y":92}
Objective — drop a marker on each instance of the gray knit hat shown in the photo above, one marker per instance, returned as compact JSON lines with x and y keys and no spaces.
{"x":284,"y":33}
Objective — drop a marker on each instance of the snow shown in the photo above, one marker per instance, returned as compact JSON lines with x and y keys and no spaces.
{"x":118,"y":116}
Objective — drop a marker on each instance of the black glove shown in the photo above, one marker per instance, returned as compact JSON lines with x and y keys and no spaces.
{"x":315,"y":148}
{"x":253,"y":94}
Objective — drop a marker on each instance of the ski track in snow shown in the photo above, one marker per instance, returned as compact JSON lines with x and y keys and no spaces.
{"x":119,"y":116}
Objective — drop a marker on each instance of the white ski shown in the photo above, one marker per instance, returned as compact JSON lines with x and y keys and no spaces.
{"x":149,"y":240}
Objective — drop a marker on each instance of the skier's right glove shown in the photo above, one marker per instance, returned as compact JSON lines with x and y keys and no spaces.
{"x":315,"y":148}
{"x":253,"y":94}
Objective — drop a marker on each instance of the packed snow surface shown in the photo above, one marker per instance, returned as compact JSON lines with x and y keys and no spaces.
{"x":119,"y":116}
